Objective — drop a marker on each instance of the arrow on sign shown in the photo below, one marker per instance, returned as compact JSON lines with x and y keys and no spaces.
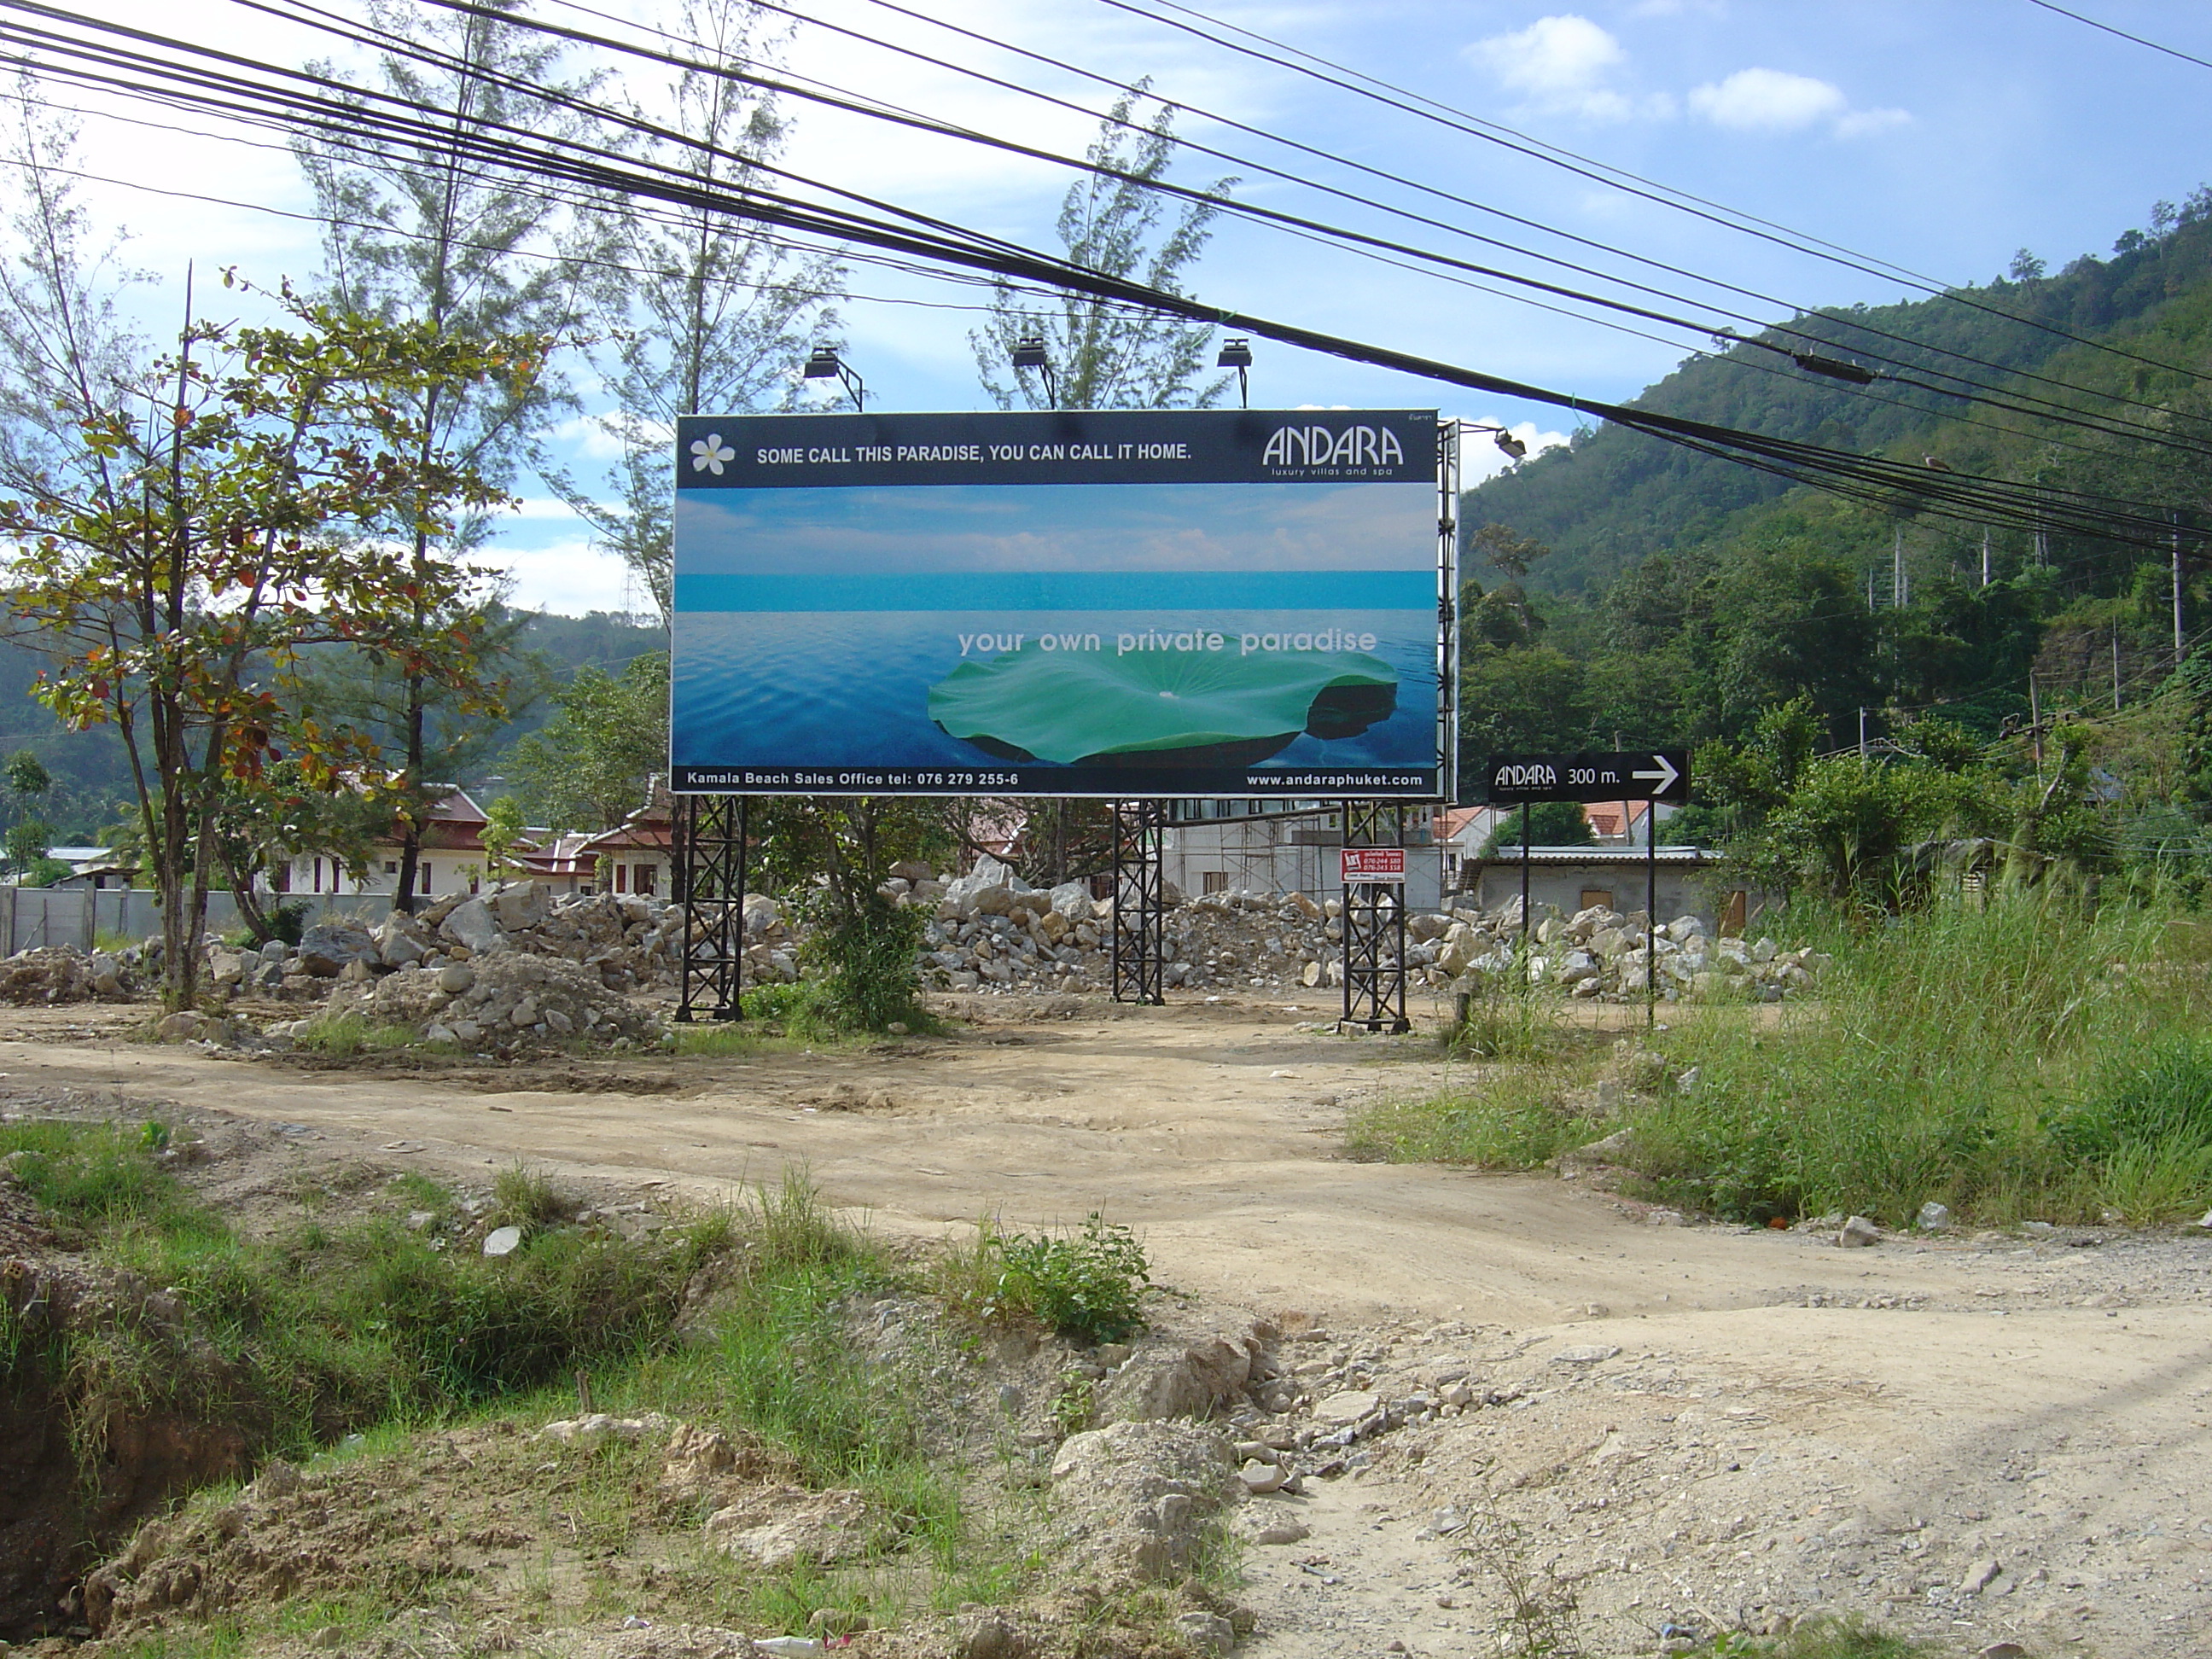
{"x":1664,"y":776}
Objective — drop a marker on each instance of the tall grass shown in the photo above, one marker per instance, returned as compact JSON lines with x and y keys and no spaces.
{"x":2033,"y":1058}
{"x":1942,"y":1059}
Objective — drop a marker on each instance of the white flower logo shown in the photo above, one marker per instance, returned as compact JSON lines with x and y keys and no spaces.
{"x":707,"y":453}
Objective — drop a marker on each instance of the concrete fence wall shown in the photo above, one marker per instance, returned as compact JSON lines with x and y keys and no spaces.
{"x":31,"y":917}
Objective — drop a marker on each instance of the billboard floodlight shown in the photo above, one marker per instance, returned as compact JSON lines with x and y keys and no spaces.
{"x":826,"y":365}
{"x":1514,"y":448}
{"x":1030,"y":353}
{"x":1237,"y":354}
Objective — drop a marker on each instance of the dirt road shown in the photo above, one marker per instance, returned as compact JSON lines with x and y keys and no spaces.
{"x":1702,"y":1426}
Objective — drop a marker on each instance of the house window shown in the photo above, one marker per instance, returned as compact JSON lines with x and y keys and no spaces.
{"x":621,"y":877}
{"x":390,"y":867}
{"x":319,"y":875}
{"x":423,"y":871}
{"x":1597,"y":898}
{"x":475,"y":884}
{"x":647,"y":881}
{"x":1216,"y":881}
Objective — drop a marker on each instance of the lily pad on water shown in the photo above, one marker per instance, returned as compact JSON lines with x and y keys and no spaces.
{"x":1160,"y":707}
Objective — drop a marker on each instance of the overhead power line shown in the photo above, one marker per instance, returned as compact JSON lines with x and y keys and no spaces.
{"x":1429,"y":109}
{"x":1382,"y":252}
{"x":366,"y":120}
{"x":2170,"y":51}
{"x":1390,"y":252}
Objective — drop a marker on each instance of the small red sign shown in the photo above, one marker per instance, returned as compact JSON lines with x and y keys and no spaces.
{"x":1373,"y":864}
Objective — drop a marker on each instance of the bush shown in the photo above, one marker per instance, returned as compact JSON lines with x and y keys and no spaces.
{"x":1084,"y":1284}
{"x":866,"y":964}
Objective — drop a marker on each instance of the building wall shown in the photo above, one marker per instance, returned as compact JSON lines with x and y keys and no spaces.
{"x":1281,"y":855}
{"x":437,"y":874}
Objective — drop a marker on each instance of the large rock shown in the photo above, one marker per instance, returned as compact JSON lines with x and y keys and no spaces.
{"x":1072,"y":899}
{"x":472,"y":925}
{"x":1138,"y":1493}
{"x":519,"y":905}
{"x":1170,"y":1383}
{"x":329,"y":948}
{"x":401,"y":941}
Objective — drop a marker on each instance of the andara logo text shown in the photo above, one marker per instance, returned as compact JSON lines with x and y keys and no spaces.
{"x":1317,"y":446}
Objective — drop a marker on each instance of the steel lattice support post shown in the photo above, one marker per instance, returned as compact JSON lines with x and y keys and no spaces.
{"x":1375,"y":926}
{"x":710,"y":886}
{"x":1140,"y":907}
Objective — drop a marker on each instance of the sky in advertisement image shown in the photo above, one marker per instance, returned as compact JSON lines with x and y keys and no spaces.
{"x":1048,"y":637}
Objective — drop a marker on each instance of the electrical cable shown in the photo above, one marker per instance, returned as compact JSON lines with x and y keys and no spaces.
{"x":1873,"y":479}
{"x":2170,"y":51}
{"x":1373,"y":246}
{"x":1797,"y":308}
{"x":1472,"y":126}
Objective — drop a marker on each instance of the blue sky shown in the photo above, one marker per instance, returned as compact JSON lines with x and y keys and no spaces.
{"x":1938,"y":137}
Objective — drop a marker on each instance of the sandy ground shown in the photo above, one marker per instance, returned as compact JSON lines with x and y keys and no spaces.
{"x":1701,"y":1426}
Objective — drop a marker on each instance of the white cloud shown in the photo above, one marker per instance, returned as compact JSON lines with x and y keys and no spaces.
{"x":1565,"y":65}
{"x":1774,"y":100}
{"x":569,"y":578}
{"x":1861,"y":122}
{"x":1765,"y":100}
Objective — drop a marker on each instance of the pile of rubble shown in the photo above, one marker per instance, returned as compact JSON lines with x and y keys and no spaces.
{"x":62,"y":973}
{"x":496,"y":999}
{"x":1600,"y":954}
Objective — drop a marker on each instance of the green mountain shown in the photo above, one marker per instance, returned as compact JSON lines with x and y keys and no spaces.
{"x":1614,"y":497}
{"x":91,"y":771}
{"x":1683,"y":595}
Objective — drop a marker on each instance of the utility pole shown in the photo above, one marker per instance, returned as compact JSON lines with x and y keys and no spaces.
{"x":2035,"y":725}
{"x":1896,"y":568}
{"x":1985,"y":555}
{"x":2179,"y":641}
{"x":1862,"y":753}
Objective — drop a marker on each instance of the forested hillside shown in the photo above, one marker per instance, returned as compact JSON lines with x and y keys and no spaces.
{"x":1614,"y":497}
{"x":1682,"y":595}
{"x":91,"y":774}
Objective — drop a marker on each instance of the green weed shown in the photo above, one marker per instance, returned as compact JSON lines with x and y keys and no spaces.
{"x":2033,"y":1059}
{"x":1953,"y":1055}
{"x":1084,"y":1284}
{"x":328,"y":1330}
{"x":1820,"y":1638}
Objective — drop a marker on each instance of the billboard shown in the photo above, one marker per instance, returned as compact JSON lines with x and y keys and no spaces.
{"x":1108,"y":603}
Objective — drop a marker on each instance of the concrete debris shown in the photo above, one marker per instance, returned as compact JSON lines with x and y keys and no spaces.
{"x":1858,"y":1232}
{"x":499,"y":999}
{"x":62,"y":973}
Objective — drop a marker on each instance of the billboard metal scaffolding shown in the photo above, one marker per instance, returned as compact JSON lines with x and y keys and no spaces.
{"x":1140,"y":901}
{"x":1374,"y":926}
{"x":710,"y":883}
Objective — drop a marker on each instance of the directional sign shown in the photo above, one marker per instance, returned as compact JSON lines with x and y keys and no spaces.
{"x":1650,"y":775}
{"x":1365,"y":865}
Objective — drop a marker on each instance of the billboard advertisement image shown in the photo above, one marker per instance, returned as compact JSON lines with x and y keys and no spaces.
{"x":1085,"y":602}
